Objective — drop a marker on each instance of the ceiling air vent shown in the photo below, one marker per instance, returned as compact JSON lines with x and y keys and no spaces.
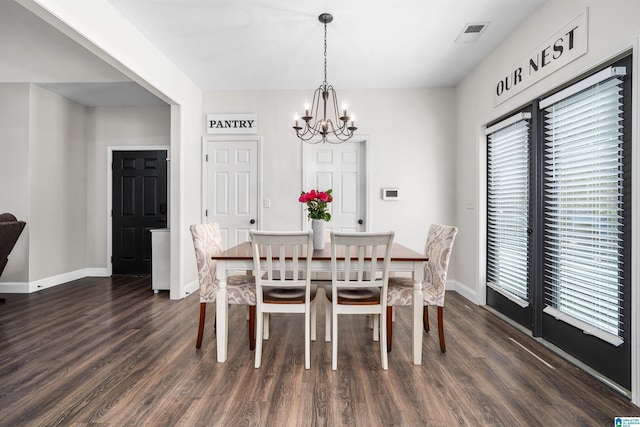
{"x":471,"y":32}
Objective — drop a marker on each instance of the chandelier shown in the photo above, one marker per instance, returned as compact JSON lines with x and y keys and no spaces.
{"x":334,"y":129}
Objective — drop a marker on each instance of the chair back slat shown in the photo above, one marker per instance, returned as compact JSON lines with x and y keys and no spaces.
{"x":366,"y":259}
{"x":282,"y":253}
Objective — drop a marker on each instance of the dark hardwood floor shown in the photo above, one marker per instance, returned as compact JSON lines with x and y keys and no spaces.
{"x":108,"y":352}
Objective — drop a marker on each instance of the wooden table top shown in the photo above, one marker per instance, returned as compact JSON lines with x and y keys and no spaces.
{"x":398,"y":253}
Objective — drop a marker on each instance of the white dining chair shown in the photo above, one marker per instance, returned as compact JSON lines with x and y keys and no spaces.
{"x":359,"y":283}
{"x":283,"y":282}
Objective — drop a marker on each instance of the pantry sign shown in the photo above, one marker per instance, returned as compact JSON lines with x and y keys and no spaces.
{"x":557,"y":51}
{"x":232,"y":123}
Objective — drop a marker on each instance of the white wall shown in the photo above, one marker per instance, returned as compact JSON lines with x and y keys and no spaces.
{"x":44,"y":181}
{"x":613,"y":26}
{"x":92,"y":25}
{"x":14,"y":173}
{"x":412,"y":143}
{"x":410,"y":131}
{"x":115,"y":127}
{"x":33,"y":52}
{"x":53,"y":162}
{"x":57,"y":190}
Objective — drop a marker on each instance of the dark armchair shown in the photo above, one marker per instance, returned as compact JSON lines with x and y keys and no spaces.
{"x":10,"y":230}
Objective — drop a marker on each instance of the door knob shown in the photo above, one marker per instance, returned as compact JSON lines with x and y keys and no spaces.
{"x":253,"y":221}
{"x":360,"y":221}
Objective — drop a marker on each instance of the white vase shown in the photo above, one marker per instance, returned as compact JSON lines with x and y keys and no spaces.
{"x":318,"y":226}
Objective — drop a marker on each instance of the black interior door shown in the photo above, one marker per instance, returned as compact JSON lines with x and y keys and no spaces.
{"x":139,"y":205}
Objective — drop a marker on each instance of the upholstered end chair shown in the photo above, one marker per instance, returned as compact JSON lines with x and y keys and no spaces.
{"x":10,"y":230}
{"x":241,"y":289}
{"x":438,"y":249}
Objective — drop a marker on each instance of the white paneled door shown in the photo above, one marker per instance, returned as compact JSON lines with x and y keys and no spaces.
{"x":231,"y":190}
{"x":341,"y":167}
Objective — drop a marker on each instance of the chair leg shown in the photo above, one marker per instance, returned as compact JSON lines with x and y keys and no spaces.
{"x":307,"y":341}
{"x":252,"y":327}
{"x":334,"y":339}
{"x":259,"y":335}
{"x":313,"y":319}
{"x":327,"y":320}
{"x":389,"y":327}
{"x":441,"y":328}
{"x":425,"y":318}
{"x":376,"y":326}
{"x":203,"y":312}
{"x":265,"y":326}
{"x":383,"y":339}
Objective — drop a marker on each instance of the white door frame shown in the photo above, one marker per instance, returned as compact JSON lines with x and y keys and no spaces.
{"x":110,"y":150}
{"x":360,"y":139}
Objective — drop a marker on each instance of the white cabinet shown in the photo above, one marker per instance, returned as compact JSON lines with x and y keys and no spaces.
{"x":160,"y":259}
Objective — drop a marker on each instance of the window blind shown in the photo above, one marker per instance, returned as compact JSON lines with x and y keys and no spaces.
{"x":508,"y":208}
{"x":583,"y":186}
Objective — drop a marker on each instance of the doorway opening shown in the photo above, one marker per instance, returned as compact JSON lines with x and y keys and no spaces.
{"x":137,"y":203}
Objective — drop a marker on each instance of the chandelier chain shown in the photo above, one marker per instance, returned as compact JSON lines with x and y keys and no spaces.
{"x":325,"y":54}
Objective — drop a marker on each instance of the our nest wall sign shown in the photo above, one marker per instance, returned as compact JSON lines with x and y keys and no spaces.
{"x":564,"y":46}
{"x":232,"y":123}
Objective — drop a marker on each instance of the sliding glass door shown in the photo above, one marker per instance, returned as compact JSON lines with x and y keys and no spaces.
{"x":559,"y":240}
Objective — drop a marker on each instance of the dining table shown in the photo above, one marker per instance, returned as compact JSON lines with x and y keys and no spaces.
{"x":240,"y":258}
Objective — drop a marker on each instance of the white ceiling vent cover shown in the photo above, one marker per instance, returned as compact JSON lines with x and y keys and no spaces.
{"x":471,"y":32}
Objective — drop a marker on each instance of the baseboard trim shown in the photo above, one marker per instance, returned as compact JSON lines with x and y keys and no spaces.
{"x":465,"y":291}
{"x":190,"y":288}
{"x":49,"y":282}
{"x":14,"y":288}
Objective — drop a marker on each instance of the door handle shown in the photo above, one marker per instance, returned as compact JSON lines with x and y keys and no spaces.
{"x":360,"y":221}
{"x":253,"y":221}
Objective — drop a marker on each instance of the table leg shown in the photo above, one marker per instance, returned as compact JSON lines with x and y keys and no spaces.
{"x":418,"y":298}
{"x":222,"y":316}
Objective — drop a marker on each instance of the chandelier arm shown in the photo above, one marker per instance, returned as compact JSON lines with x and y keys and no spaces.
{"x":336,"y":111}
{"x":313,"y":109}
{"x":307,"y":135}
{"x":308,"y":139}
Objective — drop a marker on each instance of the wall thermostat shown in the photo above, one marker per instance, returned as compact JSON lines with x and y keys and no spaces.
{"x":390,"y":194}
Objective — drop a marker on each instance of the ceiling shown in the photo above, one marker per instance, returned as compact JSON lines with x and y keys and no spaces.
{"x":269,"y":45}
{"x":278,"y":45}
{"x":105,"y":94}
